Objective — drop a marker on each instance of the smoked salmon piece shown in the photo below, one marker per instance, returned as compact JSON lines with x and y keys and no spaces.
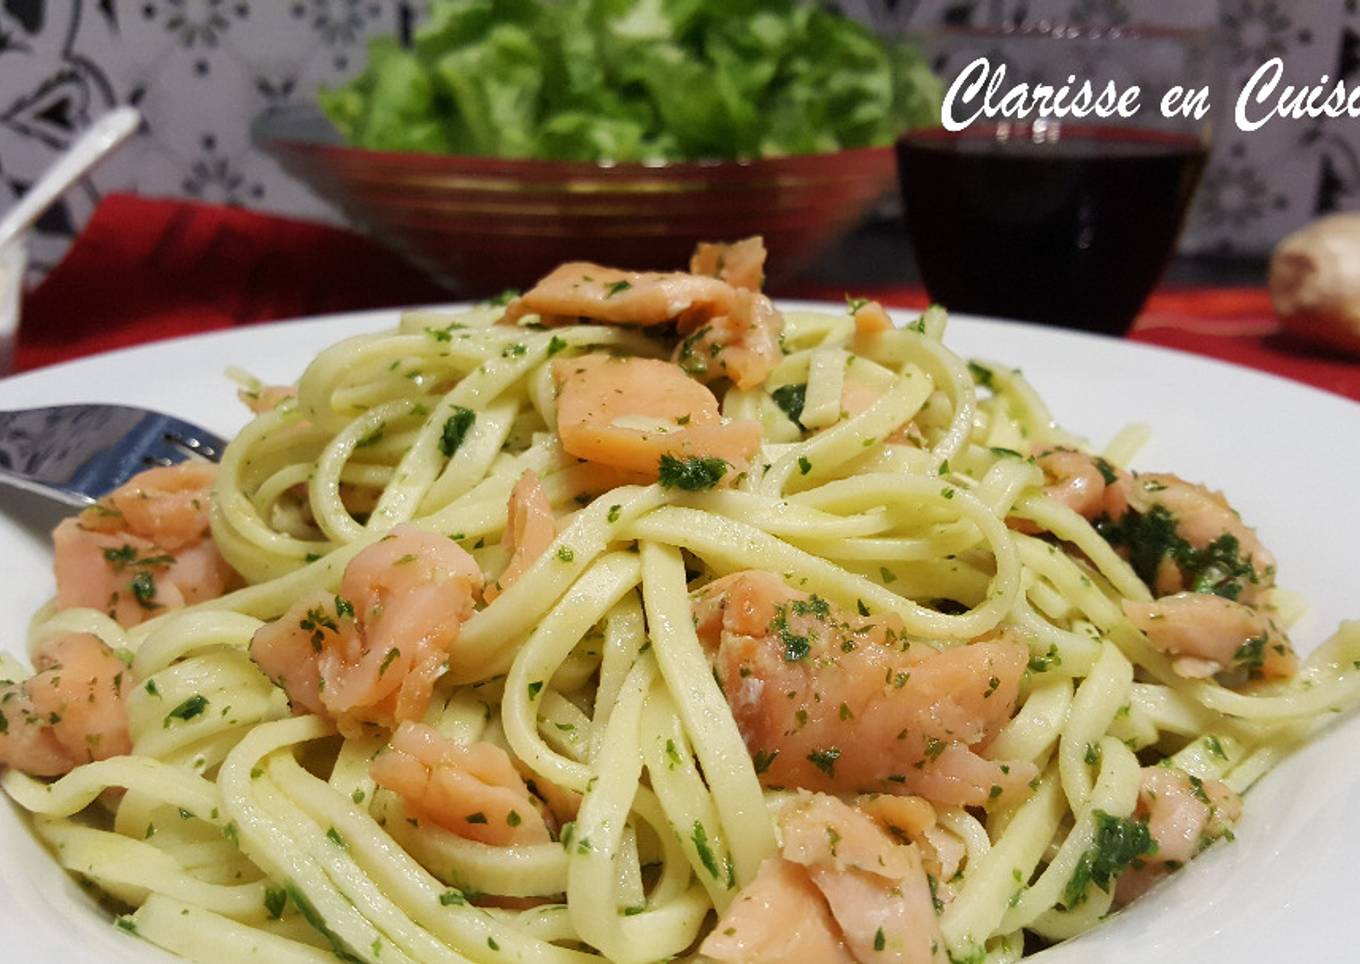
{"x":833,"y":858}
{"x":844,"y":703}
{"x":530,"y":528}
{"x":779,"y":916}
{"x":741,"y":345}
{"x":740,"y":263}
{"x":1184,"y":814}
{"x":143,"y":549}
{"x":580,"y":291}
{"x":71,"y":711}
{"x":629,"y":412}
{"x":372,"y":653}
{"x":471,"y":789}
{"x":1208,"y":634}
{"x":728,"y":328}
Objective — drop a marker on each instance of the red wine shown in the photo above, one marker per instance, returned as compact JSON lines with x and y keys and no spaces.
{"x":1072,"y":232}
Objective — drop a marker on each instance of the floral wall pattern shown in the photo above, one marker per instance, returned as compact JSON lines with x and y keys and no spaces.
{"x":201,"y":69}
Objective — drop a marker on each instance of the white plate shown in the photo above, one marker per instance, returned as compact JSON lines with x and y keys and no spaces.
{"x":1288,"y":455}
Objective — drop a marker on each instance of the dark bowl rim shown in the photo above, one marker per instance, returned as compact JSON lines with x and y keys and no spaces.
{"x":275,"y":143}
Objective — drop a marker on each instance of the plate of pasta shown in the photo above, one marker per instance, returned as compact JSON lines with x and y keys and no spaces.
{"x":637,"y":617}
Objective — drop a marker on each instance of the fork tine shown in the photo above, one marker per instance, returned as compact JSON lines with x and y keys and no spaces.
{"x":194,"y":440}
{"x":173,"y":445}
{"x":80,"y":452}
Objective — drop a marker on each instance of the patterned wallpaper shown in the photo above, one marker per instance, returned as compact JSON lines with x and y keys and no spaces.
{"x":201,"y":69}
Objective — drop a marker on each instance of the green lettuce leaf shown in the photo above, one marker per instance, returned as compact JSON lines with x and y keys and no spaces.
{"x":630,"y":80}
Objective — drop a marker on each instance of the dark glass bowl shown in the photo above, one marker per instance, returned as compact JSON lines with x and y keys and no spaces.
{"x":481,"y":224}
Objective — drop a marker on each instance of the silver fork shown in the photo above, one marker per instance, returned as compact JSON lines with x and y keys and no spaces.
{"x":76,"y":453}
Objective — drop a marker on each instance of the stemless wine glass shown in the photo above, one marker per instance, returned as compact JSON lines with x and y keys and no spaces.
{"x":1070,"y":221}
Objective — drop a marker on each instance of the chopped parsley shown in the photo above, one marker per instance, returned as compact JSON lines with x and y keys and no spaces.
{"x":763,"y":759}
{"x":693,"y":473}
{"x":790,"y":399}
{"x":555,"y":345}
{"x":795,"y":647}
{"x":126,"y":555}
{"x":275,"y":899}
{"x":982,"y":375}
{"x":387,"y":659}
{"x":825,"y":759}
{"x":691,"y":360}
{"x":614,"y":512}
{"x":316,"y":622}
{"x":1150,"y":537}
{"x":535,"y":688}
{"x":1197,"y":788}
{"x":814,"y":605}
{"x":144,"y":588}
{"x":617,"y":287}
{"x":193,"y":706}
{"x":565,"y":554}
{"x":317,"y":920}
{"x":372,"y":438}
{"x":456,"y":427}
{"x":804,"y":465}
{"x":1251,"y":654}
{"x":1042,"y":664}
{"x":700,"y":839}
{"x":1218,"y":568}
{"x":1118,"y":842}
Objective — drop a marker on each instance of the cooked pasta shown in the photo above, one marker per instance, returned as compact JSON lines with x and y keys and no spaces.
{"x":476,"y":696}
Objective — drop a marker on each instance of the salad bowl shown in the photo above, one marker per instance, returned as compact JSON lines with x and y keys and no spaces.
{"x":481,"y":224}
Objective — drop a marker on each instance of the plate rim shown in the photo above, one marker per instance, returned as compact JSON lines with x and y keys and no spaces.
{"x":784,"y":304}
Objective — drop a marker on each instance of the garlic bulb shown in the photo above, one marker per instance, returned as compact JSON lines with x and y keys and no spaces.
{"x":1315,"y":282}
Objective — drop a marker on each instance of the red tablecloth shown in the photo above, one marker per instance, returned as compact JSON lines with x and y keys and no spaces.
{"x":147,"y":269}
